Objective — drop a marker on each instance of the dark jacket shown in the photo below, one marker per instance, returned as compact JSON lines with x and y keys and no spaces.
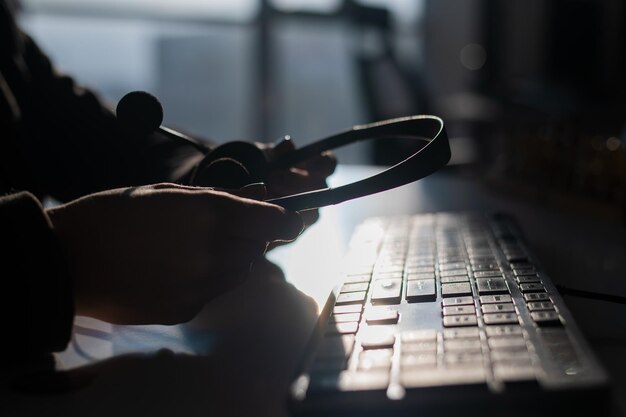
{"x":57,"y":140}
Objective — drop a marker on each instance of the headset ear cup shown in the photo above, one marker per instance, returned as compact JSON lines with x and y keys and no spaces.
{"x":231,"y":165}
{"x":222,"y":173}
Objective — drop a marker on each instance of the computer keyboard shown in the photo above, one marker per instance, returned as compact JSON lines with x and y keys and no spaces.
{"x":446,"y":313}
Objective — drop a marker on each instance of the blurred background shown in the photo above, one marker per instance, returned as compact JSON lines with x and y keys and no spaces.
{"x":533,"y":91}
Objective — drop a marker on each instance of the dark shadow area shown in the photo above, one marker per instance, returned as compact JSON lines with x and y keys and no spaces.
{"x":258,"y":332}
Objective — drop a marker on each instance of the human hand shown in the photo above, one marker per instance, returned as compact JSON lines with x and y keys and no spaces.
{"x":156,"y":254}
{"x":306,"y":176}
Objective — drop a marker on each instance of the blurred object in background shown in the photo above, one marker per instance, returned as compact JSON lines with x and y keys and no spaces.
{"x":558,"y":71}
{"x":577,"y":162}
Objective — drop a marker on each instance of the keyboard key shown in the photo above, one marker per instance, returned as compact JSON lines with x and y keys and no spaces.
{"x":419,"y":378}
{"x":419,"y":261}
{"x":462,"y":345}
{"x":540,"y":305}
{"x":377,"y":354}
{"x":443,"y":258}
{"x":452,"y":265}
{"x":457,"y":321}
{"x":351,"y":298}
{"x":343,"y":318}
{"x":386,"y":291}
{"x":488,"y":274}
{"x":381,"y":316}
{"x":420,"y":347}
{"x":413,"y":360}
{"x":477,"y":267}
{"x":413,"y":336}
{"x":458,"y":278}
{"x":492,"y":299}
{"x":342,"y":328}
{"x":491,"y":286}
{"x":453,"y":272}
{"x":507,"y":343}
{"x":476,"y":260}
{"x":498,"y":308}
{"x":476,"y":252}
{"x":457,"y":301}
{"x":474,"y":358}
{"x":461,"y":333}
{"x":422,"y":270}
{"x":501,"y":318}
{"x":377,"y":359}
{"x":522,"y":265}
{"x":412,"y":277}
{"x":456,"y":289}
{"x":537,"y":296}
{"x":456,"y":310}
{"x":513,"y":371}
{"x":348,"y":308}
{"x":378,"y":337}
{"x":421,"y":291}
{"x":524,"y":271}
{"x":527,"y":279}
{"x":493,"y":331}
{"x":533,"y":287}
{"x":355,"y":287}
{"x":510,"y":356}
{"x":546,"y":318}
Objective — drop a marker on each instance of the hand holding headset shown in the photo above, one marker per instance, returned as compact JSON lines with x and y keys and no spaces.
{"x":235,"y":164}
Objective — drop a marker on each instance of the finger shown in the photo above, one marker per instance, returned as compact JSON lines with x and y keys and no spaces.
{"x":310,"y":216}
{"x":321,"y":165}
{"x":284,"y":146}
{"x":256,"y":191}
{"x":257,"y":220}
{"x":294,"y":181}
{"x":173,"y":186}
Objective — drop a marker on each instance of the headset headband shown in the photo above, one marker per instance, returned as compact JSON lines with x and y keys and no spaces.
{"x":434,"y":155}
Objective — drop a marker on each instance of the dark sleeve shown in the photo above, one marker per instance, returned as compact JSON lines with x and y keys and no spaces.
{"x":74,"y":143}
{"x":37,"y":301}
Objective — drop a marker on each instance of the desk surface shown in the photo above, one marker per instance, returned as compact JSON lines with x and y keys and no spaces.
{"x":237,"y":357}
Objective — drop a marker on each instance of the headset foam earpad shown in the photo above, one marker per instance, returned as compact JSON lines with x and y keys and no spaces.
{"x":232,"y":165}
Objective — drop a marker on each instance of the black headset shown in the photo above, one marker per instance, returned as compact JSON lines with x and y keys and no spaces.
{"x":235,"y":164}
